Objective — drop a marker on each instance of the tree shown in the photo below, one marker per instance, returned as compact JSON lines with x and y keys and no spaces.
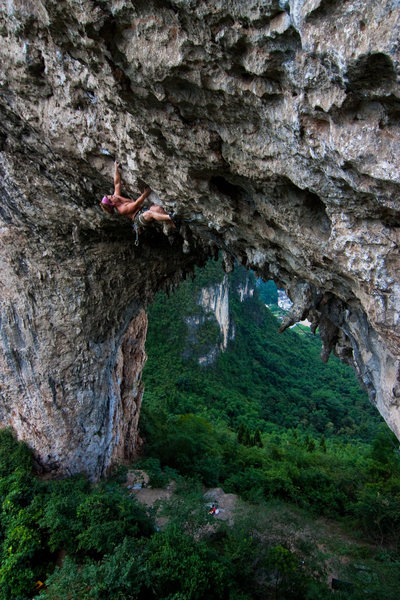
{"x":241,"y":432}
{"x":310,"y":445}
{"x":285,"y":570}
{"x":247,"y":437}
{"x":257,"y":439}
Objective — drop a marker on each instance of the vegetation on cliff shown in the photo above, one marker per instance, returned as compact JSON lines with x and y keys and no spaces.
{"x":268,"y":420}
{"x":293,"y":438}
{"x":265,"y":380}
{"x":97,"y":543}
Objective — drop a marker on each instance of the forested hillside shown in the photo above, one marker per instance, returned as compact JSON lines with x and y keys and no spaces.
{"x":315,"y":474}
{"x":270,"y":422}
{"x":264,"y":380}
{"x":268,"y":419}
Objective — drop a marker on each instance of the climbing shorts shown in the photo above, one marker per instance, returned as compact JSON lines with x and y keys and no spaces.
{"x":140,"y":220}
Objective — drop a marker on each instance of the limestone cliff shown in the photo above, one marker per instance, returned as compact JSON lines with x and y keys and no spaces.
{"x":214,"y":303}
{"x":245,"y":290}
{"x":270,"y":126}
{"x":216,"y":299}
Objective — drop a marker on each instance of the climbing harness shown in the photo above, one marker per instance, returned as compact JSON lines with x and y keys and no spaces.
{"x":137,"y":223}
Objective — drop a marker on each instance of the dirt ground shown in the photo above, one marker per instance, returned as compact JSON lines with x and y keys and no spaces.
{"x":149,"y":496}
{"x":137,"y":482}
{"x":319,"y":538}
{"x":224,"y":503}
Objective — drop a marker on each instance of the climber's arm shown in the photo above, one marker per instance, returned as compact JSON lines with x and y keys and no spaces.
{"x":142,"y":197}
{"x":131,"y":206}
{"x":117,"y":180}
{"x":122,"y":199}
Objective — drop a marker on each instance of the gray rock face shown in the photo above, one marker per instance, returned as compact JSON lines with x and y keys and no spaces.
{"x":214,"y":303}
{"x":215,"y":299}
{"x":270,"y":126}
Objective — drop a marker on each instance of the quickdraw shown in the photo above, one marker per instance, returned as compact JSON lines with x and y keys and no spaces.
{"x":136,"y":226}
{"x":136,"y":230}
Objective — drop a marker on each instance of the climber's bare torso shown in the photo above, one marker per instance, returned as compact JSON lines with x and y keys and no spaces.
{"x":129,"y":208}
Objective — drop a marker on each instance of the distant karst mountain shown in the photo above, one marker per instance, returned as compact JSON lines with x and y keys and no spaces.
{"x":262,"y":378}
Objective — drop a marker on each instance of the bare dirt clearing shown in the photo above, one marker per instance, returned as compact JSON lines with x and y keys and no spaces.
{"x":318,"y":540}
{"x":225,"y":504}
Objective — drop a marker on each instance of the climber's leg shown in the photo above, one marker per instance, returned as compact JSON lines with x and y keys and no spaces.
{"x":157,"y":209}
{"x":157,"y":213}
{"x":117,"y":180}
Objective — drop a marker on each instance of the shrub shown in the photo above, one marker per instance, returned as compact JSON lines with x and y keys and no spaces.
{"x":13,"y":454}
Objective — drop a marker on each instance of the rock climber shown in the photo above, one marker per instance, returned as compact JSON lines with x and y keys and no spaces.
{"x":133,"y":208}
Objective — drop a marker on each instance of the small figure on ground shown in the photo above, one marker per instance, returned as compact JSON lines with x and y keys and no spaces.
{"x":212,"y":510}
{"x":133,"y":209}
